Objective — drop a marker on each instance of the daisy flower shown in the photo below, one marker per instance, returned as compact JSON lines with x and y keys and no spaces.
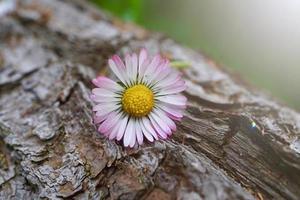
{"x":143,"y":103}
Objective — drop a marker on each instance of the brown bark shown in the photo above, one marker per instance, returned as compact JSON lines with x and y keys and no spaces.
{"x":233,"y":143}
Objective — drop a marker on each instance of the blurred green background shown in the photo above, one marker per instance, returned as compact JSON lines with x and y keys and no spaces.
{"x":258,"y":39}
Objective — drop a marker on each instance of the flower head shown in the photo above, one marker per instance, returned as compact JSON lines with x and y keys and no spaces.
{"x":143,"y":103}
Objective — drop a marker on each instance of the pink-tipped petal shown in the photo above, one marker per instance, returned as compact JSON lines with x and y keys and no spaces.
{"x":129,"y":67}
{"x":134,"y":62}
{"x":111,"y":121}
{"x":175,"y":118}
{"x":169,"y":80}
{"x":178,"y":100}
{"x":97,"y":119}
{"x":158,"y":72}
{"x":142,"y":57}
{"x":113,"y":133}
{"x":165,"y":118}
{"x":164,"y":73}
{"x":173,"y":111}
{"x":152,"y":66}
{"x":158,"y":129}
{"x":117,"y":69}
{"x":145,"y":132}
{"x":173,"y":89}
{"x":161,"y":123}
{"x":149,"y":127}
{"x":105,"y":134}
{"x":102,"y":115}
{"x":118,"y":62}
{"x":104,"y":108}
{"x":103,"y":92}
{"x":106,"y":83}
{"x":101,"y":99}
{"x":143,"y":69}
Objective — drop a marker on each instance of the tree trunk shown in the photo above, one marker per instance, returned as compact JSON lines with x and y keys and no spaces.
{"x":233,"y":143}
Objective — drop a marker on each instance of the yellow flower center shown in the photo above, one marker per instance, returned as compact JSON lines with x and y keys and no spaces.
{"x":138,"y":101}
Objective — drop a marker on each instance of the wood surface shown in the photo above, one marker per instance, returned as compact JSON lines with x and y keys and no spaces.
{"x":235,"y":142}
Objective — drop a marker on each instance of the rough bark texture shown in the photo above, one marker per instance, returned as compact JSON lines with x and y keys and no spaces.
{"x":233,"y":143}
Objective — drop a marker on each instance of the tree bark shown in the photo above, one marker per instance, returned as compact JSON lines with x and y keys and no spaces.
{"x":234,"y":142}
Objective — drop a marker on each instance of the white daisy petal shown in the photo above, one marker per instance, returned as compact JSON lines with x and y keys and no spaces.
{"x":148,"y":127}
{"x":171,"y":110}
{"x":97,"y":119}
{"x":114,"y":131}
{"x":169,"y":80}
{"x":101,"y":99}
{"x":151,"y":67}
{"x":103,"y":92}
{"x":133,"y":137}
{"x":173,"y":89}
{"x":101,"y":116}
{"x":110,"y":121}
{"x":161,"y":114}
{"x":118,"y":69}
{"x":129,"y":67}
{"x":139,"y":133}
{"x":103,"y":109}
{"x":164,"y":73}
{"x":142,"y":75}
{"x":157,"y":129}
{"x":161,"y":66}
{"x":129,"y":132}
{"x":142,"y":57}
{"x":177,"y":99}
{"x":134,"y":62}
{"x":161,"y":123}
{"x":106,"y":83}
{"x":104,"y":117}
{"x":143,"y":62}
{"x":146,"y":133}
{"x":122,"y":127}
